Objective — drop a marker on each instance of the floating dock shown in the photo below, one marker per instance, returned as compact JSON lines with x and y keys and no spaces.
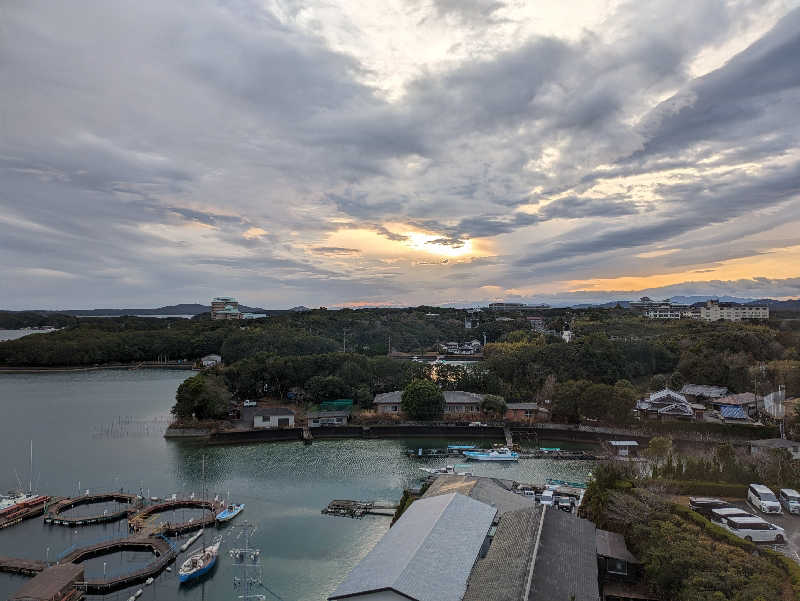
{"x":358,"y":509}
{"x":142,"y":522}
{"x":28,"y":512}
{"x":26,"y":567}
{"x":53,"y":515}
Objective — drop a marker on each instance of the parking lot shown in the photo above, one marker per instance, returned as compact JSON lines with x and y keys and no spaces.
{"x":790,"y":523}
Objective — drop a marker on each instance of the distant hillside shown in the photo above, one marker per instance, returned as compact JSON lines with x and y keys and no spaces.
{"x":182,"y":309}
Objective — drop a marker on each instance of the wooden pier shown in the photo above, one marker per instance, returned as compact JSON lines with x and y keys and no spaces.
{"x":25,"y":513}
{"x":142,"y":522}
{"x":358,"y":509}
{"x":53,"y":513}
{"x":26,"y":567}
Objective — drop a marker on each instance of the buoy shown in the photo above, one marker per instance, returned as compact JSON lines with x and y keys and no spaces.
{"x":149,"y":581}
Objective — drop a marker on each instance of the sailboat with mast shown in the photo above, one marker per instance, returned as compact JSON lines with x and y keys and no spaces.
{"x":203,"y":561}
{"x":15,"y":502}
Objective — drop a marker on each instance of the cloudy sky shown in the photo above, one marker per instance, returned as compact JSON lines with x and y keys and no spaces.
{"x":346,"y":152}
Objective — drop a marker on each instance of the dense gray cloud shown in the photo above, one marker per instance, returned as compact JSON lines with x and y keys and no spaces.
{"x":158,"y":152}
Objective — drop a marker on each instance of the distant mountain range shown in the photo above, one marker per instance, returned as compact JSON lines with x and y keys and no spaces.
{"x":182,"y":309}
{"x":197,"y":309}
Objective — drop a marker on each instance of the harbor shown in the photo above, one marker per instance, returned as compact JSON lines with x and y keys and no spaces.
{"x":284,"y":486}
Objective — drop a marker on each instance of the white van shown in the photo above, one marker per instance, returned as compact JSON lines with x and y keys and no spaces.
{"x":763,"y":499}
{"x":755,"y":529}
{"x":790,"y":499}
{"x":547,"y":497}
{"x":249,"y":403}
{"x":718,"y":515}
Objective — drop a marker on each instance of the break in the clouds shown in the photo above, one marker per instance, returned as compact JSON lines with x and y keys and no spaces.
{"x":306,"y":152}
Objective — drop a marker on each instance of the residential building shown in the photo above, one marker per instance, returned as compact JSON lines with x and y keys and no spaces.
{"x":665,"y":403}
{"x":702,"y":393}
{"x":328,"y":418}
{"x":456,"y":401}
{"x":624,"y":448}
{"x":522,"y":412}
{"x":763,"y":447}
{"x":713,"y":310}
{"x":426,"y":556}
{"x":537,"y":323}
{"x":619,"y":570}
{"x":567,"y":336}
{"x":745,"y":400}
{"x":273,"y":417}
{"x":253,"y":315}
{"x":516,"y":307}
{"x":659,"y":309}
{"x":210,"y":360}
{"x":225,"y":307}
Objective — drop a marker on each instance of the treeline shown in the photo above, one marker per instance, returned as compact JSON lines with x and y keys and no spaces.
{"x":329,"y":376}
{"x":17,"y":320}
{"x":683,"y":556}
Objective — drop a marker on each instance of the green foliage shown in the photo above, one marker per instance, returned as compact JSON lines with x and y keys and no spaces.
{"x":17,"y":320}
{"x":684,"y":557}
{"x":575,"y":400}
{"x":659,"y":448}
{"x":493,"y":405}
{"x":702,"y":488}
{"x":326,"y":388}
{"x":423,"y":400}
{"x":203,"y":396}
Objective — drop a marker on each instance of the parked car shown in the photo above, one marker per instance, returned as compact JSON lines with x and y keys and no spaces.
{"x":565,"y":504}
{"x":547,"y":497}
{"x":790,"y":499}
{"x":755,"y":529}
{"x":719,"y":514}
{"x":704,"y":505}
{"x":763,"y":499}
{"x":249,"y":403}
{"x":478,"y":425}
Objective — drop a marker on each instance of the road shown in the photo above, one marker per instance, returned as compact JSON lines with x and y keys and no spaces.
{"x":790,"y":523}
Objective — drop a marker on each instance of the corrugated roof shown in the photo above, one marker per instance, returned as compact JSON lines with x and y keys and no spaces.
{"x":566,"y":563}
{"x":428,"y":554}
{"x":710,"y":392}
{"x":503,"y":574}
{"x":612,"y":544}
{"x":745,"y":398}
{"x":487,"y":490}
{"x":273,"y":411}
{"x":318,"y":414}
{"x":450,"y":396}
{"x":522,"y":405}
{"x":774,"y":443}
{"x":623,"y":443}
{"x":732,"y":412}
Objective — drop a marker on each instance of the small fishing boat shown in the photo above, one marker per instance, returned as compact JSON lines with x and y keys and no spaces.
{"x":501,"y":454}
{"x":199,"y":563}
{"x":230,"y":512}
{"x":448,"y":469}
{"x":460,"y":447}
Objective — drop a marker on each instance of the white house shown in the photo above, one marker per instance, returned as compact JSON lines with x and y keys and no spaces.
{"x":273,"y":417}
{"x":210,"y":360}
{"x":665,"y":403}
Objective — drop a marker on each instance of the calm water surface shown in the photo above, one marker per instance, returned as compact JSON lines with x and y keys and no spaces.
{"x":102,"y":430}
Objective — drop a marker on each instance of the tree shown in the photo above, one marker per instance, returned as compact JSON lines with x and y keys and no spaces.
{"x":326,"y":388}
{"x":362,"y":396}
{"x":493,"y":405}
{"x":658,"y":382}
{"x":676,"y":381}
{"x":203,"y":396}
{"x":422,"y":399}
{"x":659,"y":448}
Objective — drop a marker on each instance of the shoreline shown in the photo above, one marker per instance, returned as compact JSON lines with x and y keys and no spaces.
{"x":126,"y":366}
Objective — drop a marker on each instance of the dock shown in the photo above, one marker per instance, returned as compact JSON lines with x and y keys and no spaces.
{"x":142,"y":523}
{"x":358,"y":509}
{"x":26,"y":567}
{"x":54,"y":511}
{"x":26,"y":513}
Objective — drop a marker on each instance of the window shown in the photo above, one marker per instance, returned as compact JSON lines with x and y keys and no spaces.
{"x":528,"y":413}
{"x":616,"y":566}
{"x":394,"y":407}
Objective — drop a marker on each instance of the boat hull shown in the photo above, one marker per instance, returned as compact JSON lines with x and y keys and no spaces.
{"x":227,"y":516}
{"x":200,"y":572}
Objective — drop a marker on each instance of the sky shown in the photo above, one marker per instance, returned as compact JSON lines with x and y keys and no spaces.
{"x":402,"y":152}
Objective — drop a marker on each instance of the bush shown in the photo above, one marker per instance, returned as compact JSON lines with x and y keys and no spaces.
{"x":699,"y":488}
{"x":422,"y":399}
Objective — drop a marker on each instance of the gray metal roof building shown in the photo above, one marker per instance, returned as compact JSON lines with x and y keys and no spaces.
{"x":566,"y":562}
{"x":504,"y":574}
{"x":426,"y":556}
{"x":491,"y":491}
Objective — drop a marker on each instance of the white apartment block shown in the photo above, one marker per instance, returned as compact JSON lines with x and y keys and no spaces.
{"x":715,"y":310}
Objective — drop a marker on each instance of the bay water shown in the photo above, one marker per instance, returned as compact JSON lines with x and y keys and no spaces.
{"x":103,"y":430}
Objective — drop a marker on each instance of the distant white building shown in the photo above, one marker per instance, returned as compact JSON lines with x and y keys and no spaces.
{"x":210,"y":360}
{"x":665,"y":403}
{"x":567,"y":336}
{"x":714,"y":310}
{"x":273,"y":417}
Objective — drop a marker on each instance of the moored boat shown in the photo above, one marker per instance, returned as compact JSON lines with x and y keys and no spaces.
{"x":230,"y":512}
{"x":199,"y":563}
{"x":501,"y":454}
{"x":14,"y":502}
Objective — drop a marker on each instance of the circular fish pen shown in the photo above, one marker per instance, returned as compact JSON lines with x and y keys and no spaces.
{"x":164,"y":552}
{"x":55,"y":512}
{"x":143,"y":521}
